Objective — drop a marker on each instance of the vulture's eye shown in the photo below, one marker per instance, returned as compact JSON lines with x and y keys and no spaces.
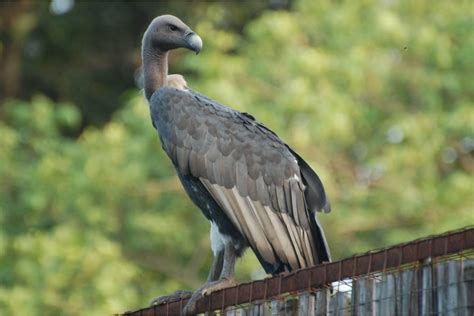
{"x":172,"y":27}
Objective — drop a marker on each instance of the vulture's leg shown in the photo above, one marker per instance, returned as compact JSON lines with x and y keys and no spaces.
{"x":226,"y":278}
{"x":216,"y":268}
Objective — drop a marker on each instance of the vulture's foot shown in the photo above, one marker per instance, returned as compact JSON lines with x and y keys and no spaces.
{"x":207,"y":289}
{"x":218,"y":285}
{"x":176,"y":296}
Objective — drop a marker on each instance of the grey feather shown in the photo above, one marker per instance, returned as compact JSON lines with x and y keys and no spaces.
{"x":266,"y":190}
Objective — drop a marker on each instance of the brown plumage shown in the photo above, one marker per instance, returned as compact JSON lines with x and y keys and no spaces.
{"x":176,"y":81}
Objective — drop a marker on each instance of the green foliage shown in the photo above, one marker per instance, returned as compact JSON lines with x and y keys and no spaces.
{"x":375,"y":95}
{"x":90,"y":226}
{"x":88,"y":54}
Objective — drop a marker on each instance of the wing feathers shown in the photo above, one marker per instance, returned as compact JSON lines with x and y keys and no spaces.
{"x":245,"y":216}
{"x":266,"y":190}
{"x":195,"y":162}
{"x":241,"y":177}
{"x":281,"y":198}
{"x":182,"y":156}
{"x":262,"y":191}
{"x":264,"y":215}
{"x":209,"y":170}
{"x":295,"y":241}
{"x":271,"y":234}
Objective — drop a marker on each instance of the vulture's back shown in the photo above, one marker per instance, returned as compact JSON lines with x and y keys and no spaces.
{"x":264,"y":188}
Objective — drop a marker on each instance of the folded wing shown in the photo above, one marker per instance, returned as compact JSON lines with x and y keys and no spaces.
{"x":260,"y":184}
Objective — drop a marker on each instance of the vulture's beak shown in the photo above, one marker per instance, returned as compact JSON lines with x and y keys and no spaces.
{"x":193,"y":42}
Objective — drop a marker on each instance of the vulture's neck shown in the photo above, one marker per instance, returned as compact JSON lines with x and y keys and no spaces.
{"x":155,"y":69}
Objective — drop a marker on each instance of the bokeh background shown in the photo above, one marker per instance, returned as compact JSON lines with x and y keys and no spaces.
{"x":376,"y":95}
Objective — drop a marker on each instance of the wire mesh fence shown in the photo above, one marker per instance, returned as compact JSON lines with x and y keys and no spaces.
{"x":430,"y":276}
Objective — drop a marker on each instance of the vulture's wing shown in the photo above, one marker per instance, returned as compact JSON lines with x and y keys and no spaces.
{"x":265,"y":189}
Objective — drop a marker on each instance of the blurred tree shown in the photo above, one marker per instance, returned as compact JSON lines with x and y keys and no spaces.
{"x":16,"y":22}
{"x":377,"y":96}
{"x":86,"y":52}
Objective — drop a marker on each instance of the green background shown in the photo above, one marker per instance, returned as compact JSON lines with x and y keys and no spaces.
{"x":376,"y":95}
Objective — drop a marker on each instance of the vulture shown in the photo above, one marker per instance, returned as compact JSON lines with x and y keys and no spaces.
{"x":254,"y":189}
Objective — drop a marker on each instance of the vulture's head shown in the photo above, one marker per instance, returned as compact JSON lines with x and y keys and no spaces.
{"x":167,"y":32}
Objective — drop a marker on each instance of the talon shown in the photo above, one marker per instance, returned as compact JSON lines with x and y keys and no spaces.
{"x":191,"y":305}
{"x":176,"y":296}
{"x":207,"y":289}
